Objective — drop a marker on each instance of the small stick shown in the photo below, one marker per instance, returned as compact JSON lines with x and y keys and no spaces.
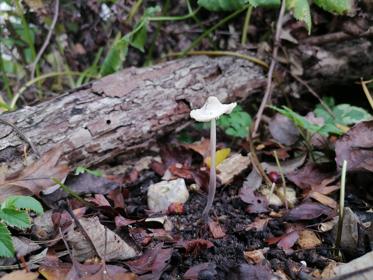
{"x":47,"y":39}
{"x":282,"y":179}
{"x":341,"y":208}
{"x":22,"y":135}
{"x":271,"y":69}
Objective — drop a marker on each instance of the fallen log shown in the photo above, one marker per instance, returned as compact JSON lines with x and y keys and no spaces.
{"x":125,"y":111}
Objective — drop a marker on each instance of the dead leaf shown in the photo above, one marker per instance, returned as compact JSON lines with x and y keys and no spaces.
{"x":201,"y":147}
{"x":193,"y":272}
{"x":176,"y":208}
{"x":254,"y":256}
{"x":110,"y":248}
{"x":195,"y":246}
{"x":24,"y":246}
{"x":83,"y":184}
{"x":362,"y":263}
{"x":257,"y":203}
{"x":20,"y":275}
{"x":308,"y":211}
{"x":232,"y":166}
{"x":154,"y":260}
{"x":287,"y":166}
{"x":99,"y":200}
{"x":283,"y":130}
{"x":216,"y":230}
{"x":285,"y":241}
{"x":308,"y":239}
{"x":323,"y":199}
{"x":308,"y":176}
{"x":37,"y":177}
{"x":258,"y":224}
{"x":356,"y":147}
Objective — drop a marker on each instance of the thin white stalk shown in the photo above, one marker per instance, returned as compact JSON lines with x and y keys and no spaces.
{"x":212,"y":182}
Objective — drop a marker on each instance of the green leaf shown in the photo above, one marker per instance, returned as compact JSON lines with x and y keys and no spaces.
{"x":301,"y":11}
{"x":335,"y":6}
{"x":115,"y":57}
{"x":265,"y":3}
{"x":22,"y":202}
{"x":236,"y":124}
{"x":16,"y":218}
{"x":6,"y":244}
{"x":222,"y":5}
{"x":82,"y":169}
{"x":138,"y":39}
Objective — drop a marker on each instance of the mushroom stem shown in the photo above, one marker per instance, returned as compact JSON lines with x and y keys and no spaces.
{"x":212,"y":182}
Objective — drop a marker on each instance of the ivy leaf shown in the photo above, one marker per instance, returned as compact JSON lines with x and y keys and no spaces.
{"x":16,"y":218}
{"x":22,"y":202}
{"x":335,"y":6}
{"x":6,"y":244}
{"x":301,"y":11}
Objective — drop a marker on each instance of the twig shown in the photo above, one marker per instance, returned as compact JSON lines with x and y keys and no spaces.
{"x":366,"y":91}
{"x":314,"y":93}
{"x":271,"y":69}
{"x":22,"y":135}
{"x":47,"y":39}
{"x":341,"y":208}
{"x":282,"y":178}
{"x":246,"y":25}
{"x":335,"y":37}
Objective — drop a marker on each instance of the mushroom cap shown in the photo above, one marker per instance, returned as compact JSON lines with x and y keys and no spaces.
{"x":212,"y":109}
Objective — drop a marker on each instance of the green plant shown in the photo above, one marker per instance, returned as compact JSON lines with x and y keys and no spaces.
{"x":236,"y":124}
{"x":342,"y":115}
{"x":299,"y":8}
{"x":14,"y":212}
{"x":82,"y":169}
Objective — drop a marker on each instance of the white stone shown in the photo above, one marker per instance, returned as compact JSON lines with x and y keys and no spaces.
{"x":162,"y":194}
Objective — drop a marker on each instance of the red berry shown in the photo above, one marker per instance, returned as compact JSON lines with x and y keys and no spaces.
{"x":274,"y":176}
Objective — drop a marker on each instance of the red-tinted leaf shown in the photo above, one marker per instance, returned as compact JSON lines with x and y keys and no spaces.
{"x":288,"y":240}
{"x":158,"y":167}
{"x":120,"y":221}
{"x":195,"y":246}
{"x":181,"y":171}
{"x":153,"y":260}
{"x":216,"y":230}
{"x":171,"y":155}
{"x":99,"y":200}
{"x":201,"y":177}
{"x":202,"y":147}
{"x":356,"y":147}
{"x":308,"y":211}
{"x":117,"y":197}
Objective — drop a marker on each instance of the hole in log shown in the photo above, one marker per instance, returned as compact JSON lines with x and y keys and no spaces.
{"x":108,"y":121}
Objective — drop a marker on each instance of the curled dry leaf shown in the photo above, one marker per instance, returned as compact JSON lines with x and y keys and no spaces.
{"x":356,"y":147}
{"x":35,"y":178}
{"x":110,"y":248}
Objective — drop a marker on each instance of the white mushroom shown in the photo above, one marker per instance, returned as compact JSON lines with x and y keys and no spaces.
{"x":210,"y":111}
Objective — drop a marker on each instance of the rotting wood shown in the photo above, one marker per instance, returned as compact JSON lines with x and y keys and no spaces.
{"x":125,"y":111}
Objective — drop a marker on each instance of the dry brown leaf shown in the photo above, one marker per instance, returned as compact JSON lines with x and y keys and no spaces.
{"x":232,"y":166}
{"x":216,"y":230}
{"x":254,"y":256}
{"x":110,"y":248}
{"x":308,"y":239}
{"x":20,"y":275}
{"x":323,"y":199}
{"x":36,"y":177}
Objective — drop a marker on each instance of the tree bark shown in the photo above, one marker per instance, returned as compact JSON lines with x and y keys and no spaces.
{"x":125,"y":111}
